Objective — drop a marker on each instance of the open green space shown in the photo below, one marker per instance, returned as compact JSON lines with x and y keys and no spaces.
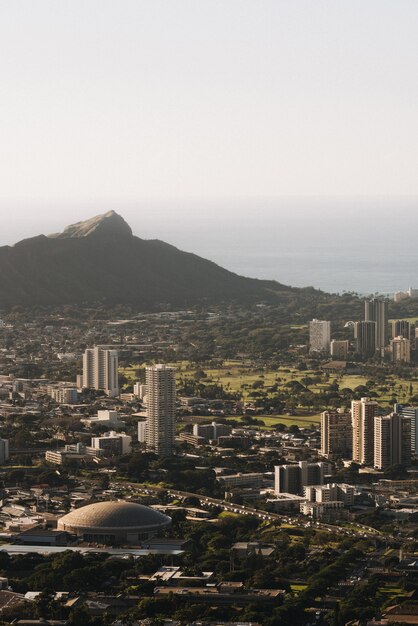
{"x":270,"y":421}
{"x":249,"y":381}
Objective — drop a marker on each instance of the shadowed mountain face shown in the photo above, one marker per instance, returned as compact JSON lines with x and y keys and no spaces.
{"x":100,"y":260}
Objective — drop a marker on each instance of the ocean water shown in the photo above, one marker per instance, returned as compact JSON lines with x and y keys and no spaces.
{"x":365,"y":245}
{"x":361,"y":245}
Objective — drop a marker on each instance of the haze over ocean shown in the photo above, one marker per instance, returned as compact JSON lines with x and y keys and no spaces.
{"x":365,"y":245}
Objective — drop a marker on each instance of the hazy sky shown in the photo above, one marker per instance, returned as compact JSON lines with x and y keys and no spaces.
{"x":143,"y":103}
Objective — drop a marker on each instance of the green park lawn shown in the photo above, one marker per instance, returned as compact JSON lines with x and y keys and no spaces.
{"x":240,"y":375}
{"x":270,"y":421}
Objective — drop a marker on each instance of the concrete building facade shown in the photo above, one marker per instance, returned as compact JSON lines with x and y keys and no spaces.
{"x":412,"y":413}
{"x":400,"y":348}
{"x":161,"y":409}
{"x":100,"y":370}
{"x":4,"y":451}
{"x":376,"y":310}
{"x":365,"y":337}
{"x":363,"y":414}
{"x":293,"y":478}
{"x":339,"y":349}
{"x":319,"y":336}
{"x":112,"y":442}
{"x":401,"y":328}
{"x":392,"y":440}
{"x":336,"y":434}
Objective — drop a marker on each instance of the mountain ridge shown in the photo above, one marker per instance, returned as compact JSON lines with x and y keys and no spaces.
{"x":101,"y":260}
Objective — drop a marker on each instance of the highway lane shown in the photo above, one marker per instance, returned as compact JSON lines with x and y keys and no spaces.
{"x":363,"y":531}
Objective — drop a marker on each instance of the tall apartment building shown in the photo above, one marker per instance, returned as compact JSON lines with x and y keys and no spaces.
{"x":401,"y":328}
{"x":363,"y":414}
{"x":336,"y":434}
{"x":161,"y":409}
{"x":4,"y":451}
{"x":339,"y":349}
{"x":319,"y":336}
{"x":400,"y":348}
{"x":293,"y":478}
{"x":365,"y":336}
{"x":412,"y":413}
{"x":376,"y":310}
{"x":100,"y":370}
{"x":392,"y":440}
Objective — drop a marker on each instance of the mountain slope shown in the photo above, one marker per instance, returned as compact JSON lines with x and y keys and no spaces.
{"x":100,"y":260}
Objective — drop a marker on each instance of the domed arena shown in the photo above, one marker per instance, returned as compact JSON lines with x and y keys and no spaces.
{"x":114,"y":523}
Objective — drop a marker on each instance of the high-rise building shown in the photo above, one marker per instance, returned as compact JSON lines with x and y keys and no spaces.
{"x":161,"y":409}
{"x":401,"y":328}
{"x":293,"y":478}
{"x":319,"y":336}
{"x":339,"y":349}
{"x":412,"y":413}
{"x":400,"y":348}
{"x":4,"y":451}
{"x":100,"y":370}
{"x":392,"y":440}
{"x":336,"y":434}
{"x":376,"y":310}
{"x":365,"y":336}
{"x":363,"y":414}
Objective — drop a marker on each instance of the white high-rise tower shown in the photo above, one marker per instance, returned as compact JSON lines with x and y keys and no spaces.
{"x":161,"y":409}
{"x":100,"y":370}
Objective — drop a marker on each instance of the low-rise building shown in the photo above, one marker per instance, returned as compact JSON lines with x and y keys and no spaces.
{"x":321,"y":510}
{"x":293,"y":478}
{"x":329,"y":493}
{"x":112,"y":443}
{"x":251,"y":479}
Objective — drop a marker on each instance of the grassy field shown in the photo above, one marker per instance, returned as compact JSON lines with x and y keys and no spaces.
{"x":288,"y":420}
{"x":240,"y":375}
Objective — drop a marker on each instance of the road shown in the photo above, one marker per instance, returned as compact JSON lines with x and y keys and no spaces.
{"x":363,"y":531}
